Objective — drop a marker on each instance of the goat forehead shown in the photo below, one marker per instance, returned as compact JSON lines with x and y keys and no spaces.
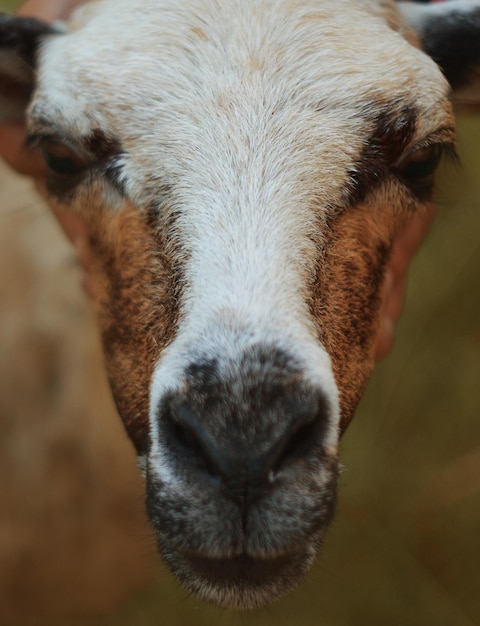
{"x":176,"y":62}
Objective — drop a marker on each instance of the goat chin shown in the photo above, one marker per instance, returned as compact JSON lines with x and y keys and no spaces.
{"x":241,"y":583}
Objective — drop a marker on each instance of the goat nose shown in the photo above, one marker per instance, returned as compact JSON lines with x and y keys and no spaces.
{"x":245,"y":459}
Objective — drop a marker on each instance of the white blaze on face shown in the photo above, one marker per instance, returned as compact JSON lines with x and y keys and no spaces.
{"x":251,"y":238}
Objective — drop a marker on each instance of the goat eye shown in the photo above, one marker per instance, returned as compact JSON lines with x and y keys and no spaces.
{"x":62,"y":160}
{"x":420,"y":165}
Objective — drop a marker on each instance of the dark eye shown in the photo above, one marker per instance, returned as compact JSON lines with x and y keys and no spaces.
{"x":420,"y":166}
{"x":62,"y":160}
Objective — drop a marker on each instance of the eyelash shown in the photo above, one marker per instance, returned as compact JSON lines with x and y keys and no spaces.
{"x":67,"y":165}
{"x":64,"y":161}
{"x":417,"y":170}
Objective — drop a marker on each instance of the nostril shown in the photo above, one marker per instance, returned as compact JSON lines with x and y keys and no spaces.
{"x":298,"y":444}
{"x":188,"y":442}
{"x":209,"y":443}
{"x":185,"y":439}
{"x":301,"y":441}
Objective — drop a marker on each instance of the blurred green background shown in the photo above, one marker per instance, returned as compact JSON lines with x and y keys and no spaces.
{"x":9,"y":5}
{"x":404,"y":548}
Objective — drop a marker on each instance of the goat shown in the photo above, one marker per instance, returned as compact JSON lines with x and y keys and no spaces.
{"x":242,"y":168}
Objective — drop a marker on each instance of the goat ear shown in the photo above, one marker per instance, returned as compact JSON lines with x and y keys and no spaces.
{"x":450,"y":33}
{"x":20,"y":38}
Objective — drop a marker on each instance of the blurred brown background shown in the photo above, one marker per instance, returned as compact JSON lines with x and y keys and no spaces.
{"x":404,"y":549}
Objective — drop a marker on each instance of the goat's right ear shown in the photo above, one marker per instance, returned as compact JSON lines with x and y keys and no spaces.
{"x":20,"y":38}
{"x":449,"y":32}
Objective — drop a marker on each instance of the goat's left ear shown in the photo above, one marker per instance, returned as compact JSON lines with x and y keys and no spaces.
{"x":20,"y":38}
{"x":450,"y":33}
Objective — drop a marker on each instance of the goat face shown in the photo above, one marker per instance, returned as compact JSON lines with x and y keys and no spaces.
{"x":242,"y":168}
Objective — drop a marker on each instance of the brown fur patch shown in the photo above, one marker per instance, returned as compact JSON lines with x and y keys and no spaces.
{"x":102,"y":146}
{"x":137,"y":309}
{"x":347,"y":296}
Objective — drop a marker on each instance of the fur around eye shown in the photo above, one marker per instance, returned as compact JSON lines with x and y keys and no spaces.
{"x":418,"y":168}
{"x":421,"y":164}
{"x":63,"y":160}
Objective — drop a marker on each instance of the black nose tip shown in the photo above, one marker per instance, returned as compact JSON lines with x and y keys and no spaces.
{"x":219,"y":439}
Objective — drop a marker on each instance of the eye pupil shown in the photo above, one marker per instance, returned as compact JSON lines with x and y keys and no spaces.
{"x":60,"y":165}
{"x":421,"y":164}
{"x":61,"y":159}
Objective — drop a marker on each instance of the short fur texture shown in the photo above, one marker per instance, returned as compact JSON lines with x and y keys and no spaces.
{"x":243,"y":179}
